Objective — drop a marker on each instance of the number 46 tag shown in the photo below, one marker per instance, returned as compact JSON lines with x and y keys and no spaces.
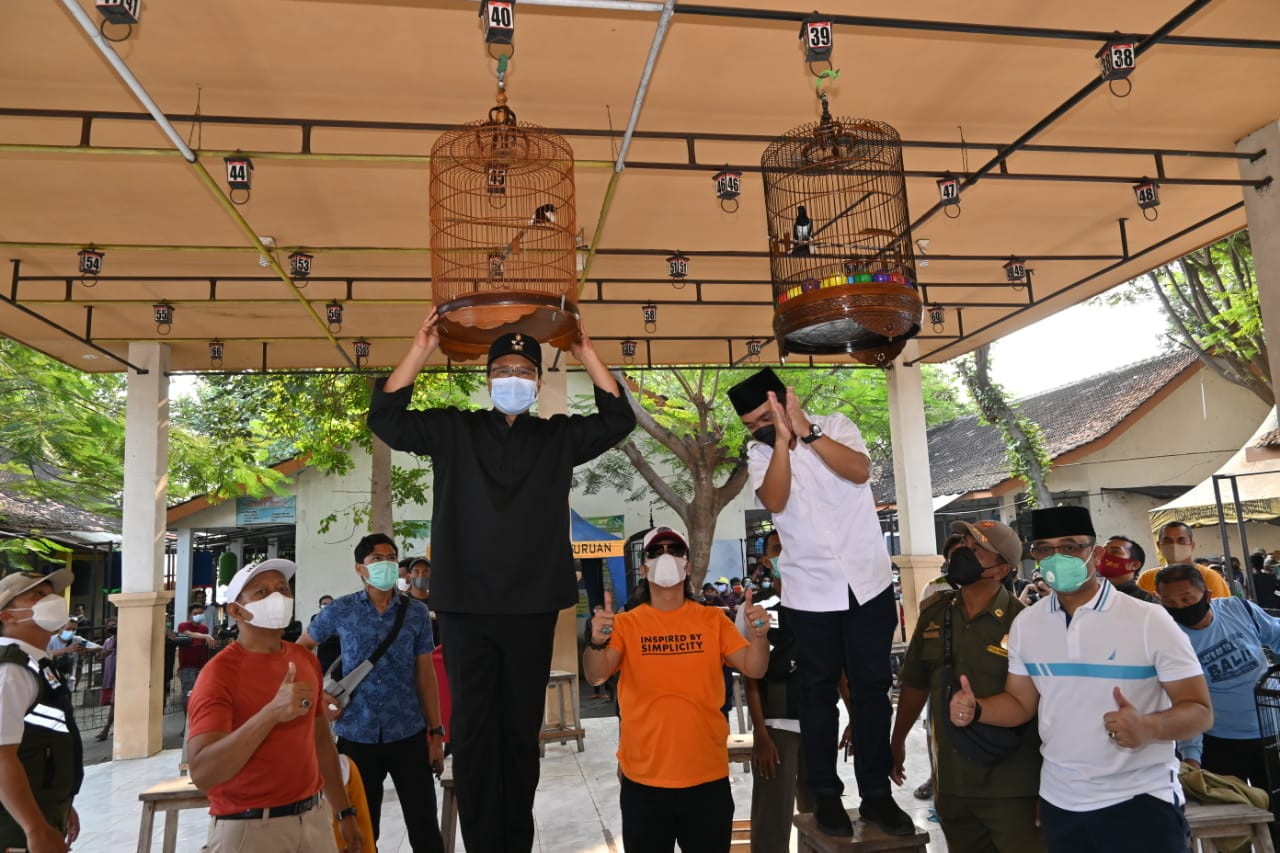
{"x":816,"y":33}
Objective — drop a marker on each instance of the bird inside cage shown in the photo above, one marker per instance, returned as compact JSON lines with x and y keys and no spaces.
{"x":801,"y":232}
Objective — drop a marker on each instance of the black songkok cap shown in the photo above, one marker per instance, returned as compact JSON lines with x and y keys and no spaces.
{"x":516,"y":343}
{"x":751,"y":393}
{"x":1061,"y":521}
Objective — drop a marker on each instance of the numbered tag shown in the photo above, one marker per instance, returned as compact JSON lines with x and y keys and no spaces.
{"x":239,"y":172}
{"x":120,"y":11}
{"x":300,"y":265}
{"x":90,"y":262}
{"x":1118,"y":58}
{"x":496,"y":179}
{"x":1148,"y":194}
{"x":949,"y":191}
{"x":818,"y":38}
{"x":677,"y":267}
{"x":499,"y":21}
{"x":650,"y":314}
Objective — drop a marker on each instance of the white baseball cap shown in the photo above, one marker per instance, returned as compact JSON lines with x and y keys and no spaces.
{"x":285,"y":567}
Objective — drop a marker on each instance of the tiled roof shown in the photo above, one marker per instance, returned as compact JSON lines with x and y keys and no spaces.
{"x":965,"y":456}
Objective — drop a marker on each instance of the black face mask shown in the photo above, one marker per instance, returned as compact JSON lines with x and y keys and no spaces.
{"x":963,"y":567}
{"x":1192,"y":613}
{"x":766,"y":435}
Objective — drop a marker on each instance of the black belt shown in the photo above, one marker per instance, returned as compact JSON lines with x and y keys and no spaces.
{"x":297,"y":808}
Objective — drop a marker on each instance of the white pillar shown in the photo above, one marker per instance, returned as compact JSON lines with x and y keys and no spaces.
{"x":919,"y":561}
{"x":1262,"y":210}
{"x":182,"y":575}
{"x":139,"y":691}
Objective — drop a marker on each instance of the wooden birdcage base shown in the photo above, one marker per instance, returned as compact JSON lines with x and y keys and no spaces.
{"x":848,"y":319}
{"x":469,"y":324}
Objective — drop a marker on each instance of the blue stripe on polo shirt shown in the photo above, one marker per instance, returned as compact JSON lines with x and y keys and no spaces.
{"x":1075,"y":669}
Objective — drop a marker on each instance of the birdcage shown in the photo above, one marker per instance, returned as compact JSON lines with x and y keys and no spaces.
{"x":502,"y":235}
{"x":1266,"y":694}
{"x":843,"y":269}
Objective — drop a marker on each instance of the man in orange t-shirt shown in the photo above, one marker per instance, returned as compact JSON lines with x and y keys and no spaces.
{"x":673,"y":748}
{"x":259,"y":743}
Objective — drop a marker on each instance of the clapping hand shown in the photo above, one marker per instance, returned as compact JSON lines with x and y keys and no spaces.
{"x":781,"y":422}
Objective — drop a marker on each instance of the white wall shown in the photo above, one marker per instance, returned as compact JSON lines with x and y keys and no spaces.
{"x":326,"y":564}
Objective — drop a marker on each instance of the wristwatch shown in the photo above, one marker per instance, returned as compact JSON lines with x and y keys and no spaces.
{"x":438,"y":731}
{"x":349,"y":811}
{"x":815,"y":433}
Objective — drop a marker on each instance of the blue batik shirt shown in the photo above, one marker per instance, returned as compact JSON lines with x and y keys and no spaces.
{"x":385,"y":706}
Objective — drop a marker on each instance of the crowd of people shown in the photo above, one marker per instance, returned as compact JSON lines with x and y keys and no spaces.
{"x":1058,"y":708}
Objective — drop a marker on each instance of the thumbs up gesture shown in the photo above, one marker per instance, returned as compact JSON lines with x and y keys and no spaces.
{"x":602,"y":621}
{"x":963,"y":703}
{"x":757,"y":618}
{"x":293,"y":698}
{"x":1126,"y":726}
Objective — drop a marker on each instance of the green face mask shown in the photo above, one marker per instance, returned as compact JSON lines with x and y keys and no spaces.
{"x":383,"y":574}
{"x":1064,"y":574}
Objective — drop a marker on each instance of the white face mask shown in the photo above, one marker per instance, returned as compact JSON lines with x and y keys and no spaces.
{"x":1176,"y":552}
{"x":273,"y":612}
{"x":513,"y":395}
{"x":50,"y":612}
{"x":402,"y":584}
{"x":197,"y":618}
{"x":666,"y":570}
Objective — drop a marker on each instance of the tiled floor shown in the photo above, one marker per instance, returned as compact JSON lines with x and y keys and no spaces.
{"x":576,"y":809}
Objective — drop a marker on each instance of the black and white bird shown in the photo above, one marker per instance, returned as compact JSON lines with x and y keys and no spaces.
{"x":801,"y":232}
{"x":544,"y":215}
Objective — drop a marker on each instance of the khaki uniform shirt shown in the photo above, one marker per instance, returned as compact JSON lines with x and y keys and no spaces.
{"x":980,"y":648}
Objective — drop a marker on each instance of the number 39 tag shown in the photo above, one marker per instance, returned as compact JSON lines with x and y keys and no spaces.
{"x":818,"y":38}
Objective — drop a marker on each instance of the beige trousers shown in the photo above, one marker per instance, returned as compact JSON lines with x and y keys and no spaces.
{"x":309,"y":832}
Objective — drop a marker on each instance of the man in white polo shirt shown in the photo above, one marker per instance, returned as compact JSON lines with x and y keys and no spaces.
{"x":812,"y":472}
{"x":1115,"y":684}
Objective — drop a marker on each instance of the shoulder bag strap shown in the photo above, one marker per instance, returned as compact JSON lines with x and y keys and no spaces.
{"x":353,"y":678}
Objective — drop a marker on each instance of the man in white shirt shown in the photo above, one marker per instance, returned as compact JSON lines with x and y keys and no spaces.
{"x":1115,"y":683}
{"x":813,"y":474}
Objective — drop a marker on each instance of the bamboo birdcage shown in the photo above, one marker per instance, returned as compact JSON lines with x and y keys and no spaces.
{"x":840,"y":253}
{"x":502,"y":235}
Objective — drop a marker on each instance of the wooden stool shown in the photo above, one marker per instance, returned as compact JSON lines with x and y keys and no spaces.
{"x":169,"y":797}
{"x":741,"y":837}
{"x":740,"y":703}
{"x":740,"y":749}
{"x":566,"y":729}
{"x":449,"y":809}
{"x":866,"y":837}
{"x":1228,"y":820}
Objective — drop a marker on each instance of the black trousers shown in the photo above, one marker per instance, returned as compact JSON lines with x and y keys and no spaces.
{"x":497,"y":667}
{"x":856,"y":641}
{"x":409,"y":763}
{"x":654,"y":820}
{"x":1143,"y":824}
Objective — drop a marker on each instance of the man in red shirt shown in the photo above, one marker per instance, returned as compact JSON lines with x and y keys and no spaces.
{"x":259,"y":742}
{"x":193,"y":657}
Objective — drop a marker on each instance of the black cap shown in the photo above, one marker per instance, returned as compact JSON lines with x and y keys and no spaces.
{"x":751,"y":393}
{"x":1059,"y":521}
{"x":516,"y":343}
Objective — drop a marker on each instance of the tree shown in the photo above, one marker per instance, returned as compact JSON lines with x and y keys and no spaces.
{"x":690,"y":449}
{"x":62,"y":439}
{"x":1024,"y":442}
{"x":1210,"y":300}
{"x":320,"y":416}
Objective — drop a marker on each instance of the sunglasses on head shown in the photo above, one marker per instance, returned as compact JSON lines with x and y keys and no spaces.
{"x":657,"y":549}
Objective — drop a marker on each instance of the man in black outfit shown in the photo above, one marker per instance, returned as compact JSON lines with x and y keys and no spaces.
{"x":502,"y":480}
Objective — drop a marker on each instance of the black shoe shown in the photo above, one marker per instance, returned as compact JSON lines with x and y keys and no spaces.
{"x":925,"y":791}
{"x":886,"y":814}
{"x":831,"y":816}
